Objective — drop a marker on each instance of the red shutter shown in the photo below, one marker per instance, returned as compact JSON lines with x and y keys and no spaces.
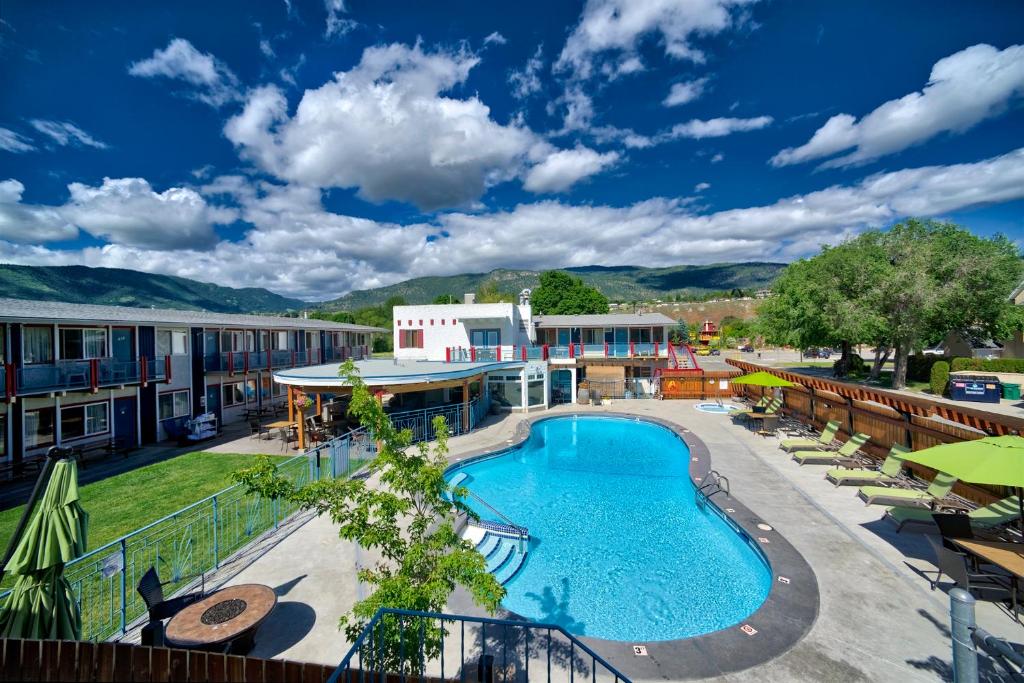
{"x":419,"y":339}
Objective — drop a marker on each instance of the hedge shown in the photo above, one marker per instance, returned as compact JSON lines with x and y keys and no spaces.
{"x":939,"y":377}
{"x":993,"y":365}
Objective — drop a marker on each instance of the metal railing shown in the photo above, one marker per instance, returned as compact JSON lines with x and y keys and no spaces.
{"x":194,"y":540}
{"x":636,"y":387}
{"x":404,"y":644}
{"x":970,"y":640}
{"x":420,"y":422}
{"x":521,"y":531}
{"x":90,"y":373}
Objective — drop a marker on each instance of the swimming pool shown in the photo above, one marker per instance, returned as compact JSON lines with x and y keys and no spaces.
{"x":718,"y":408}
{"x":619,"y":548}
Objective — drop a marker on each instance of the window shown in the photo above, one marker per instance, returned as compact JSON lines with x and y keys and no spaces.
{"x":593,"y":335}
{"x":39,"y":427}
{"x":173,"y":404}
{"x":279,"y":340}
{"x":84,"y":420}
{"x":233,"y":394}
{"x":506,"y":390}
{"x":535,"y":393}
{"x":171,"y":343}
{"x":37,"y":344}
{"x":81,"y":344}
{"x":485,"y":338}
{"x":410,"y":339}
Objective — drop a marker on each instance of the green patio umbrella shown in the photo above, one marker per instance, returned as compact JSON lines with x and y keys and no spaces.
{"x":993,"y":460}
{"x":41,"y":604}
{"x":762,"y":379}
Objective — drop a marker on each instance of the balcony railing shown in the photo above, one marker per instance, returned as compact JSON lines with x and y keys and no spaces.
{"x":93,"y":373}
{"x":476,"y":354}
{"x":609,"y":350}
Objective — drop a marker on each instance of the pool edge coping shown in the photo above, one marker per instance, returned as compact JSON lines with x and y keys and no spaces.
{"x":783,"y":619}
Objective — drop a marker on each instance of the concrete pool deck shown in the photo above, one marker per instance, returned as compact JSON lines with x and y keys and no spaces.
{"x":878,"y":619}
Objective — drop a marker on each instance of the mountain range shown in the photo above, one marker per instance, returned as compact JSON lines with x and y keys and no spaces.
{"x":122,"y":287}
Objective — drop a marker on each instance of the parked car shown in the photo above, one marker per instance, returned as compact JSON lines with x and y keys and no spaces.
{"x":747,"y":348}
{"x":716,"y":352}
{"x":815,"y":352}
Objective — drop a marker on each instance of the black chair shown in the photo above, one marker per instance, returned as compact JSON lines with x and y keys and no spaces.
{"x":255,"y":430}
{"x":953,"y":525}
{"x":152,"y":592}
{"x":955,"y":565}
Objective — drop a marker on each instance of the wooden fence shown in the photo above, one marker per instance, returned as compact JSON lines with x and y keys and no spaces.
{"x":49,"y":661}
{"x":889,"y":418}
{"x":699,"y":384}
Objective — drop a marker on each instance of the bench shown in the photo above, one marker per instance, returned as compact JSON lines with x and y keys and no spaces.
{"x":99,"y":450}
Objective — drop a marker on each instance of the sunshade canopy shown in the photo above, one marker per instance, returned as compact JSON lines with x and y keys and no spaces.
{"x":762,"y":379}
{"x":994,"y":460}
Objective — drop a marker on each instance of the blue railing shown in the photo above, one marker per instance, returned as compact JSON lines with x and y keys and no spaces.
{"x":281,"y":358}
{"x":593,"y":349}
{"x":420,"y":422}
{"x":558,"y":352}
{"x":61,"y":375}
{"x":534,"y":353}
{"x":402,"y":644}
{"x":194,"y":540}
{"x":619,"y":350}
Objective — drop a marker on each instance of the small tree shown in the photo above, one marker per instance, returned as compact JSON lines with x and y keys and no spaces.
{"x":562,"y":294}
{"x":408,"y":518}
{"x":939,"y":377}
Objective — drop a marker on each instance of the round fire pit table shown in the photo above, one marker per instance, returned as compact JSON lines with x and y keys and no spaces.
{"x":225,"y":619}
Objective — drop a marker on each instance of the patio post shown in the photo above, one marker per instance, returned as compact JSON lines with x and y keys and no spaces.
{"x":291,"y":404}
{"x":465,"y":406}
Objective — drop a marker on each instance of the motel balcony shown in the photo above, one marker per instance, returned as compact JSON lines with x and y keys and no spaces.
{"x":242,"y":362}
{"x":474,"y":354}
{"x":83,"y":375}
{"x":608,"y":350}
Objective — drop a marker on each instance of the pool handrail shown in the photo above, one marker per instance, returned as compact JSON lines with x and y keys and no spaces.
{"x":522,"y":531}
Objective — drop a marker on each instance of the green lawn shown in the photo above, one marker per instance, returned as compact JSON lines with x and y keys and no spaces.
{"x":131,"y":500}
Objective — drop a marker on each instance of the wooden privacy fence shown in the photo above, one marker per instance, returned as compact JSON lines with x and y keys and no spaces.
{"x":889,"y":418}
{"x":699,"y":384}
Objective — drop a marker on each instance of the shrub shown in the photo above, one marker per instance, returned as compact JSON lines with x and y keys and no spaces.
{"x":939,"y":377}
{"x":919,"y":367}
{"x":994,"y":365}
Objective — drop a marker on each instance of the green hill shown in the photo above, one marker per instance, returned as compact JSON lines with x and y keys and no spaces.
{"x":618,"y":283}
{"x":122,"y":287}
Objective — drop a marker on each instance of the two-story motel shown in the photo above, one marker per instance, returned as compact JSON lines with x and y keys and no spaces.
{"x":75,"y":374}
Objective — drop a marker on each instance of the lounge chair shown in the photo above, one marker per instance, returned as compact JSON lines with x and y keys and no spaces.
{"x":770,"y":408}
{"x":888,"y":473}
{"x":824,"y":441}
{"x":995,"y":514}
{"x":936,"y":491}
{"x":847,"y":450}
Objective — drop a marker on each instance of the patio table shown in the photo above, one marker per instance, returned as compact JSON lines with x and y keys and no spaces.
{"x":1008,"y":556}
{"x":281,"y":424}
{"x":227,"y":619}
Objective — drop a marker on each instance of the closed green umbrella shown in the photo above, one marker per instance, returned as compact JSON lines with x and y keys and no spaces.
{"x":42,"y":604}
{"x":993,"y":460}
{"x":762,"y":379}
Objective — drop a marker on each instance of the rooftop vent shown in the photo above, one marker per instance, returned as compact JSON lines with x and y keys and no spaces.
{"x":470,"y":298}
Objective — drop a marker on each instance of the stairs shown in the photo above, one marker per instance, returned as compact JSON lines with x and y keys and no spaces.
{"x":682,"y":359}
{"x":503,"y":555}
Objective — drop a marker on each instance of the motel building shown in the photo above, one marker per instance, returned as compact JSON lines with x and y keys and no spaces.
{"x":464,"y":360}
{"x":116,"y":378}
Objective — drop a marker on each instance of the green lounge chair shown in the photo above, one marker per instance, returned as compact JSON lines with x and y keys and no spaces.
{"x":823,"y":442}
{"x":770,"y":408}
{"x":847,"y":450}
{"x":936,"y":491}
{"x":992,"y":515}
{"x":888,"y":473}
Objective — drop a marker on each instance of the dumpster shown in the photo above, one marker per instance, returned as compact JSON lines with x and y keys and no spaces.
{"x":1011,"y":391}
{"x":978,"y":388}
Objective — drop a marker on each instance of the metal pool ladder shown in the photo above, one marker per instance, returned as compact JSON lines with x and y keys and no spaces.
{"x":713,"y":483}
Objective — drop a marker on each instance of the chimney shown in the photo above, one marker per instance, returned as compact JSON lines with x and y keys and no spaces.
{"x":470,"y":298}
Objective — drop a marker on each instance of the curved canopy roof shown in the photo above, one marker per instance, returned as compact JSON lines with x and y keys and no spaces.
{"x":389,"y":372}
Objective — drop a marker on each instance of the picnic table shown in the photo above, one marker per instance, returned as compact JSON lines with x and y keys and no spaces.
{"x":226,"y":619}
{"x":1008,"y":556}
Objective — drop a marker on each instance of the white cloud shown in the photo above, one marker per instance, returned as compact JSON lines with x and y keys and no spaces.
{"x":385,"y":128}
{"x":495,"y":38}
{"x":128,"y":212}
{"x":297,"y":248}
{"x":526,"y":82}
{"x":289,"y":73}
{"x":28,"y":223}
{"x":687,"y":91}
{"x":619,"y":26}
{"x":563,"y":169}
{"x":700,"y":187}
{"x":14,"y":142}
{"x":65,"y":133}
{"x":213,"y":82}
{"x":963,"y":90}
{"x":267,"y":49}
{"x":718,"y":127}
{"x":337,"y":24}
{"x":718,"y":157}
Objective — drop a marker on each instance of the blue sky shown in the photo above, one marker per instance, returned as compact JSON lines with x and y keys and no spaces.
{"x":318,"y":147}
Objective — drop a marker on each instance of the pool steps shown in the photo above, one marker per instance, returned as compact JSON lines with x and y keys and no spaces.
{"x":504,"y":558}
{"x":455,"y":482}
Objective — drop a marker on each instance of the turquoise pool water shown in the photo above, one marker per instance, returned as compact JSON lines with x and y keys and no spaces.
{"x":720,"y":409}
{"x":619,"y":548}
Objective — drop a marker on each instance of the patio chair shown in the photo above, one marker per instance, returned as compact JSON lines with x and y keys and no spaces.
{"x":765,"y":402}
{"x":955,"y":565}
{"x":999,"y":513}
{"x":286,"y":436}
{"x":889,"y":473}
{"x":255,"y":430}
{"x":152,"y":591}
{"x":847,"y":450}
{"x":823,"y":442}
{"x":902,"y":497}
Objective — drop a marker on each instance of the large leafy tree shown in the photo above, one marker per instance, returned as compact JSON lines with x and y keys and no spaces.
{"x":406,"y":517}
{"x":562,"y":294}
{"x":896,"y":289}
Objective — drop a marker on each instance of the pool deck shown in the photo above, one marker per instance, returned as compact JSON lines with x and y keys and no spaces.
{"x":878,"y":619}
